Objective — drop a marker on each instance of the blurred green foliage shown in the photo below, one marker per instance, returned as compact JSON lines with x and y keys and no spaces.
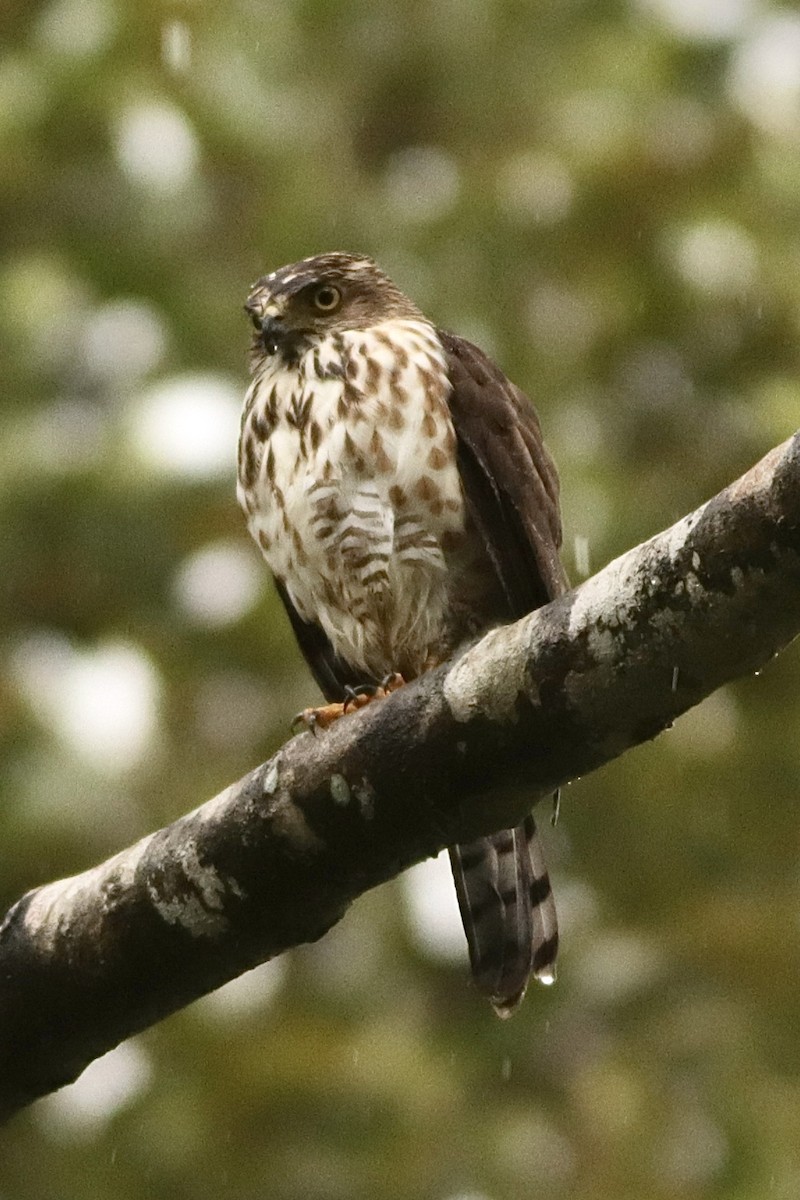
{"x":605,"y":194}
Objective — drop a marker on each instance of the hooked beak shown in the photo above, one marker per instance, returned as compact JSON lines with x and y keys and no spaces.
{"x":273,"y":333}
{"x":270,"y":329}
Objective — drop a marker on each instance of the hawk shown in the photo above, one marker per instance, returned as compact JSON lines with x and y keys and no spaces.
{"x":398,"y":487}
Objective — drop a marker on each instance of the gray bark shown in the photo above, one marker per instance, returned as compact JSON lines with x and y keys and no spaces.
{"x":276,"y":858}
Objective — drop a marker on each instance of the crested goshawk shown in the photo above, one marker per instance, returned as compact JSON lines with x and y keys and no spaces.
{"x":398,"y":486}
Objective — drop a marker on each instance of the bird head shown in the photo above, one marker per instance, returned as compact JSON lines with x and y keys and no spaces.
{"x":305,"y":302}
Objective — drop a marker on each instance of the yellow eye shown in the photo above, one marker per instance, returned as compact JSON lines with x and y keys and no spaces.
{"x":327,"y":298}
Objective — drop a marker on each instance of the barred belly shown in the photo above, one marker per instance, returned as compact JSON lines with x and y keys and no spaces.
{"x":349,"y":481}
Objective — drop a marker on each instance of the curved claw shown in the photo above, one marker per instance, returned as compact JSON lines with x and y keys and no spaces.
{"x":391,"y":682}
{"x":304,"y":721}
{"x":357,"y":697}
{"x":314,"y":719}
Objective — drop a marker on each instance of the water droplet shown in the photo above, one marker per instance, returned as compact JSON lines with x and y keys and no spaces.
{"x":176,"y":46}
{"x":581,"y":550}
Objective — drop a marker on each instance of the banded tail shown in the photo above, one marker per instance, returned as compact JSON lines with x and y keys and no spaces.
{"x":508,"y":912}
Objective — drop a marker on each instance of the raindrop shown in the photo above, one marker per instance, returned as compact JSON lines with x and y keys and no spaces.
{"x":176,"y":46}
{"x":581,"y":547}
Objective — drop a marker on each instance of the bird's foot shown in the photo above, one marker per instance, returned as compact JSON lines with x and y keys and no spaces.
{"x":323,"y":717}
{"x":358,"y":697}
{"x":314,"y":719}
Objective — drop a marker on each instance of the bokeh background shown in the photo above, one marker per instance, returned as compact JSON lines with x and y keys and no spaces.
{"x":606,"y":195}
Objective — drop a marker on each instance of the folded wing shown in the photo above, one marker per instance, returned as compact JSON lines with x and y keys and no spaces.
{"x":511,"y":490}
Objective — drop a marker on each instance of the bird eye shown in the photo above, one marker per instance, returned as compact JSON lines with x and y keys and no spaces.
{"x":327,"y":298}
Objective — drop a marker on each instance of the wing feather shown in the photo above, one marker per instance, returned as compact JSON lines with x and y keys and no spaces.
{"x":510,"y":481}
{"x":511,"y":491}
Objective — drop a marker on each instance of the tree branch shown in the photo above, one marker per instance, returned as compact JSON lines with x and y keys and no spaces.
{"x":276,"y":858}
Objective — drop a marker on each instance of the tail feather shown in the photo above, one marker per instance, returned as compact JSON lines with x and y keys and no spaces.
{"x":543,"y":908}
{"x":508,"y":912}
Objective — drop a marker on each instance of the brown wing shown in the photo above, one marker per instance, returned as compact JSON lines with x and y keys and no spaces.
{"x":511,"y":490}
{"x":510,"y":481}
